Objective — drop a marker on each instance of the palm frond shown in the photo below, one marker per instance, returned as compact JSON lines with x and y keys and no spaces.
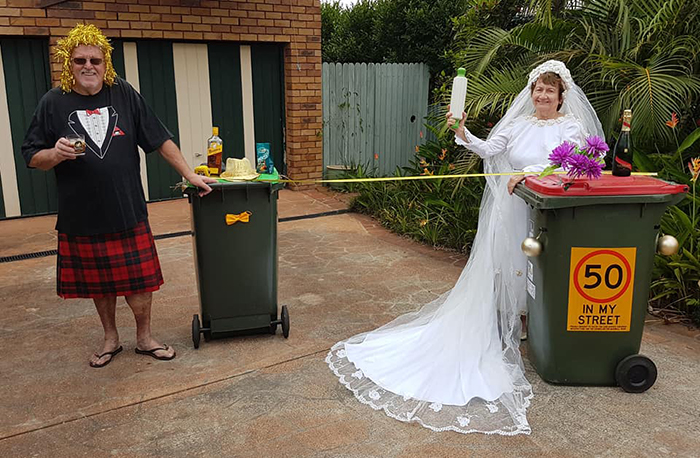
{"x":494,"y":91}
{"x":483,"y":47}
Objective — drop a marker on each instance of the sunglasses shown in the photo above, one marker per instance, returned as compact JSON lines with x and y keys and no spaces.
{"x":83,"y":61}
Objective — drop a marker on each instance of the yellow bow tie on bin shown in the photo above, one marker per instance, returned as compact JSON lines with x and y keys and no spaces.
{"x":242,"y":217}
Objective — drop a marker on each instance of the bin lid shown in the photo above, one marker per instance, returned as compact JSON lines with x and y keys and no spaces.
{"x":606,"y":185}
{"x":551,"y":192}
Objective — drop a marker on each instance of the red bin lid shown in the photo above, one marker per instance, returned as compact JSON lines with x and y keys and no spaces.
{"x":607,"y":185}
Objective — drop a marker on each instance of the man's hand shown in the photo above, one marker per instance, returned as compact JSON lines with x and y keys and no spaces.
{"x":48,"y":158}
{"x":201,"y":183}
{"x":172,"y":154}
{"x":64,"y":150}
{"x":514,"y":180}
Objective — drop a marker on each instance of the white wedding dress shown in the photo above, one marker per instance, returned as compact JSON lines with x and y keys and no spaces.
{"x":455,"y":364}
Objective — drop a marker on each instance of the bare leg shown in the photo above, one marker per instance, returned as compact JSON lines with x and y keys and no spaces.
{"x":141,"y":306}
{"x":107,"y":310}
{"x":523,"y":323}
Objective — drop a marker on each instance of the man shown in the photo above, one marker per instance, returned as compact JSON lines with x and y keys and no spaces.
{"x":105,"y":245}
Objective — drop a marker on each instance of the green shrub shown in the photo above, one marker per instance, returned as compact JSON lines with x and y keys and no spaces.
{"x":675,"y":283}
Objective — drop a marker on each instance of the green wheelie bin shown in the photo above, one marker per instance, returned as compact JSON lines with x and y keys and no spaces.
{"x":591,"y":249}
{"x":234,"y":232}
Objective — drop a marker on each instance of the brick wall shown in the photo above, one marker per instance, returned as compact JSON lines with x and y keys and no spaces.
{"x":294,"y":22}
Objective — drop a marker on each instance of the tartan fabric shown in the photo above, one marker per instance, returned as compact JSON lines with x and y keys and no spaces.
{"x":103,"y":265}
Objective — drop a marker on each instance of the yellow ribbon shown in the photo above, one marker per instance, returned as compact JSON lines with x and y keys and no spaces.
{"x":242,"y":217}
{"x":418,"y":177}
{"x":427,"y":177}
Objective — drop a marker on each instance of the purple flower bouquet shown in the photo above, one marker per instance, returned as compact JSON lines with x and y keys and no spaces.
{"x":579,"y":162}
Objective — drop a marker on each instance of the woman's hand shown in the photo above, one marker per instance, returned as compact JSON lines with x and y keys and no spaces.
{"x":514,"y":180}
{"x":460,"y":132}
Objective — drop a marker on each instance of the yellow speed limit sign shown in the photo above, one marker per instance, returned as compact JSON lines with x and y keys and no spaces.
{"x":600,"y":289}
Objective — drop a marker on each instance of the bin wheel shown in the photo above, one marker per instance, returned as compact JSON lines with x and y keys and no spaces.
{"x":635,"y":373}
{"x":285,"y":321}
{"x":196,"y":330}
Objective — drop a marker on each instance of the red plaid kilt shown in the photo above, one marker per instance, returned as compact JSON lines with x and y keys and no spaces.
{"x":104,"y":265}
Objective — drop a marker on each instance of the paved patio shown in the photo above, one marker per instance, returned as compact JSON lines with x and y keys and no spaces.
{"x":262,"y":396}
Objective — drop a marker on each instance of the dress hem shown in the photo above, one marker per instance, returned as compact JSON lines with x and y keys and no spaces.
{"x":363,"y":400}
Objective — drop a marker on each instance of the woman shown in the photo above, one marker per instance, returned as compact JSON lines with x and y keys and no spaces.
{"x":455,"y":364}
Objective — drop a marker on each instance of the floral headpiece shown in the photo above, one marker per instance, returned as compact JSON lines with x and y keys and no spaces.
{"x":553,"y":66}
{"x":89,"y":35}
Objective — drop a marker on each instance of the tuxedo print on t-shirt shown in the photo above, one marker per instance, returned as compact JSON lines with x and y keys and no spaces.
{"x":98,"y":126}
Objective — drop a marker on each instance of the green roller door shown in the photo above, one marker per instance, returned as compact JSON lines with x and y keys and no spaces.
{"x":157,"y":86}
{"x":27,"y":79}
{"x":226,"y":98}
{"x":268,"y":99}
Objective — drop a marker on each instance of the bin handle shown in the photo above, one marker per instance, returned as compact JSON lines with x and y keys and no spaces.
{"x":232,"y":218}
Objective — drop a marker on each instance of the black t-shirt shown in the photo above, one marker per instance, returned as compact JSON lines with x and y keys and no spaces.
{"x":99,"y":192}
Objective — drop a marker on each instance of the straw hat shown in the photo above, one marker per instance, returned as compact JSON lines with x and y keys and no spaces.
{"x":239,"y":170}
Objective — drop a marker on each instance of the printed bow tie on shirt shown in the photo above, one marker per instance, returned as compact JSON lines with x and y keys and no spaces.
{"x":92,"y":112}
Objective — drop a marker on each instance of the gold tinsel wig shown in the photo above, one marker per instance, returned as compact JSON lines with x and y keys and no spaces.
{"x":83,"y":34}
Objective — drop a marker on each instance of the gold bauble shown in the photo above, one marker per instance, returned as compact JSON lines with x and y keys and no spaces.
{"x":667,"y":245}
{"x":531,"y":247}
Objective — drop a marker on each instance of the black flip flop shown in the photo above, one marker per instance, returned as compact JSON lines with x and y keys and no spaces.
{"x":152,"y":353}
{"x":111,"y":354}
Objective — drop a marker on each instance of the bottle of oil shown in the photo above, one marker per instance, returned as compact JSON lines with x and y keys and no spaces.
{"x":215,"y":149}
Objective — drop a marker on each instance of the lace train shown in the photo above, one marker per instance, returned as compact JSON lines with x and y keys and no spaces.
{"x":475,"y":417}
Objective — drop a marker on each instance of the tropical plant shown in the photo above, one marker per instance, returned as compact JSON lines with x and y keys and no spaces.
{"x":676,"y":279}
{"x":546,"y":11}
{"x":638,"y":54}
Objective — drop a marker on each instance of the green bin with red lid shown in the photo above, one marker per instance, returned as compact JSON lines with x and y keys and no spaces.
{"x":591,"y":247}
